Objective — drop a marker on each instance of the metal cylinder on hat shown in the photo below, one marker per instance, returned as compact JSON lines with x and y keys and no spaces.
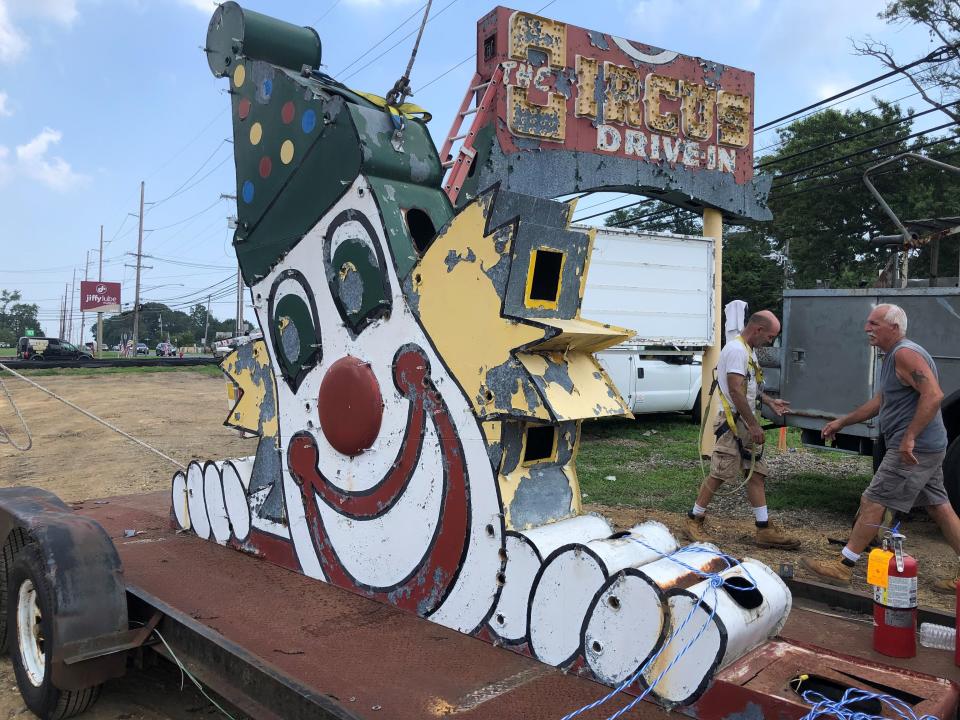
{"x":895,"y":606}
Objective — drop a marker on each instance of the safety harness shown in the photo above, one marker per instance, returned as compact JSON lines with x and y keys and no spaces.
{"x":731,"y":414}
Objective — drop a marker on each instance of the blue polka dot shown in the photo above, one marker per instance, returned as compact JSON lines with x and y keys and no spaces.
{"x":247,"y":192}
{"x":309,"y":121}
{"x":267,"y":88}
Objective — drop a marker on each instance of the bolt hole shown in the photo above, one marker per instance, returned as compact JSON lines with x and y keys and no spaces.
{"x":503,"y":555}
{"x":501,"y":620}
{"x":614,"y":602}
{"x":489,"y":396}
{"x":360,"y":192}
{"x":501,"y":578}
{"x":490,"y":531}
{"x":418,"y":278}
{"x":596,"y":647}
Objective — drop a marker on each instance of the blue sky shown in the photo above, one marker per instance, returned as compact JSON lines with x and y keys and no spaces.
{"x":97,"y":95}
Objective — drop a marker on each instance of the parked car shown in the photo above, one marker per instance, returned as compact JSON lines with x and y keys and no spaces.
{"x":4,"y":345}
{"x":166,"y":349}
{"x":142,"y":349}
{"x":41,"y":348}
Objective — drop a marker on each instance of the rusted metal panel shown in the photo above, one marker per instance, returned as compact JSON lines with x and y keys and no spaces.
{"x":85,"y":573}
{"x":579,"y":110}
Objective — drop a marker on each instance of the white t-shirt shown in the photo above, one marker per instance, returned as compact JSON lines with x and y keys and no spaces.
{"x":733,"y":359}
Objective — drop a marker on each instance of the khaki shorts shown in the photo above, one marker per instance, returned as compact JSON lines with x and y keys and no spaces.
{"x":726,"y":461}
{"x":902,"y":487}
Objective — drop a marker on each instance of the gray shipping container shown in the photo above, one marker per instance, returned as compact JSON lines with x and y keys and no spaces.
{"x":827,"y":366}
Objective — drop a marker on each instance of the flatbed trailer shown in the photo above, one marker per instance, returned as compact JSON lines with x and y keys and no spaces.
{"x":277,"y":644}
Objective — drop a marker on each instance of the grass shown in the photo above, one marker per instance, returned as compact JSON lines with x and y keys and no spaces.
{"x":655,"y":461}
{"x":211,"y":370}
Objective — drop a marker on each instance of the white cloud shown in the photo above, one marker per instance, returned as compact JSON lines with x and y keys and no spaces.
{"x":54,"y":172}
{"x":6,"y":170}
{"x":205,"y":6}
{"x":13,"y":44}
{"x":60,"y":11}
{"x":4,"y":110}
{"x":13,"y":40}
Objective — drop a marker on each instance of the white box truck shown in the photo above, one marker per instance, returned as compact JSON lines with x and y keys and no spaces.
{"x":662,"y":287}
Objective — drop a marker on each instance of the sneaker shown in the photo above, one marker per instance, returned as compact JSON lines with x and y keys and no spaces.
{"x":695,"y":529}
{"x":773,"y":537}
{"x":947,"y":585}
{"x":833,"y":572}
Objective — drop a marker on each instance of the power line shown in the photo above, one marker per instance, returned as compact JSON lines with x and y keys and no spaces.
{"x":927,"y":58}
{"x":379,"y":42}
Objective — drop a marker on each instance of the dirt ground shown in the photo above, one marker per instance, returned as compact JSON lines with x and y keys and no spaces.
{"x":181,"y":414}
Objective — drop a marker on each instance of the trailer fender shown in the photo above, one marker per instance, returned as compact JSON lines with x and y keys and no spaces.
{"x":84,"y":570}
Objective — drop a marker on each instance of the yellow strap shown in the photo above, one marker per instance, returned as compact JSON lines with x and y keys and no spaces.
{"x":758,"y":376}
{"x":407,"y":110}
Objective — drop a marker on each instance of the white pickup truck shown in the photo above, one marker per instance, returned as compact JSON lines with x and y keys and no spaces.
{"x":660,"y":286}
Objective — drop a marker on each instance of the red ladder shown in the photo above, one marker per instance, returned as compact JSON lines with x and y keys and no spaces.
{"x":458,"y":169}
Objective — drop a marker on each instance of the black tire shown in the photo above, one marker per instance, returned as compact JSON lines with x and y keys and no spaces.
{"x":28,"y":584}
{"x":38,"y":356}
{"x":951,"y":473}
{"x":15,"y":543}
{"x":696,"y":412}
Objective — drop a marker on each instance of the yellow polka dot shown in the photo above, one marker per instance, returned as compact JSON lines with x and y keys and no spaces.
{"x":256,"y":132}
{"x":239,"y":75}
{"x":286,"y":152}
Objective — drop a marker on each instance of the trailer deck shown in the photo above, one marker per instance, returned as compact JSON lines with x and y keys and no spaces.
{"x":280,"y":645}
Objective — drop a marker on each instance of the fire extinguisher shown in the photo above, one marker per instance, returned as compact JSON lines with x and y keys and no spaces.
{"x":895,"y":606}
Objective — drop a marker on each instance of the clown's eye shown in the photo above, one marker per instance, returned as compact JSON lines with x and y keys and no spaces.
{"x":356,"y":271}
{"x":294,"y":327}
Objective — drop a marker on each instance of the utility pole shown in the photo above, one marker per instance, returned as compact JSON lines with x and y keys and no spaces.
{"x":83,"y":315}
{"x":63,"y":312}
{"x":239,"y":301}
{"x":161,"y":327}
{"x":206,"y":326}
{"x":136,"y":299}
{"x":100,"y":314}
{"x":73,"y":297}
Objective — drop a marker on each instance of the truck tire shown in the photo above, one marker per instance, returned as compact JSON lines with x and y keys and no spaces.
{"x":697,"y":411}
{"x":951,"y":473}
{"x":32,"y":641}
{"x":16,"y":541}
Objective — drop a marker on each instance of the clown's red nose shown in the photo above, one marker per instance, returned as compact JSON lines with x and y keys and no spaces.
{"x":350,"y":406}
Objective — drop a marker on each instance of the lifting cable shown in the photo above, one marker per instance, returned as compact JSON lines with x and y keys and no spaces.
{"x":5,"y":436}
{"x":401,"y":88}
{"x":79,"y":409}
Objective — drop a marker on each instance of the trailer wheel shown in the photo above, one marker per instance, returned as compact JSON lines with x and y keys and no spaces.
{"x":15,"y":543}
{"x":32,"y":642}
{"x":951,"y":473}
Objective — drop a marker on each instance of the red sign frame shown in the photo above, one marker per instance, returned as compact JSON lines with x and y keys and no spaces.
{"x":99,"y":296}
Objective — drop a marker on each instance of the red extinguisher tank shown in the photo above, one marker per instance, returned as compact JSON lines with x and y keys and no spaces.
{"x":895,"y":609}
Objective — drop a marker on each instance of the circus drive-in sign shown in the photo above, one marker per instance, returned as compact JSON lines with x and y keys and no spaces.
{"x":98,"y":296}
{"x":579,"y":109}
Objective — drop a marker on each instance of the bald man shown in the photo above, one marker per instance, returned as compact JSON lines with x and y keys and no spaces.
{"x":911,"y":473}
{"x":739,"y":446}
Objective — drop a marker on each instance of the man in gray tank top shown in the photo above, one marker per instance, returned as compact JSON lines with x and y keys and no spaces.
{"x":911,"y":474}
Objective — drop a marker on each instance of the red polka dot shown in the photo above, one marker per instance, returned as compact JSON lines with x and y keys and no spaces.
{"x":286,"y":112}
{"x":244,"y":110}
{"x":266,"y":166}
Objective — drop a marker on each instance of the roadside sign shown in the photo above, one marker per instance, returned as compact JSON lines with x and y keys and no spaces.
{"x":29,"y":333}
{"x":97,"y":296}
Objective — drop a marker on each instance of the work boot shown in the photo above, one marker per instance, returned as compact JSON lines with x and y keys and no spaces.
{"x":833,"y":571}
{"x":947,"y":585}
{"x":773,"y":537}
{"x":695,"y":529}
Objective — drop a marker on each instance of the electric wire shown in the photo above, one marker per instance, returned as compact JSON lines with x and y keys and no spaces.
{"x":398,"y":43}
{"x":926,"y":58}
{"x":379,"y":42}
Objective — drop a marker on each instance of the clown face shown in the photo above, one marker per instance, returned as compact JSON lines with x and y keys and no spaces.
{"x":386,"y":479}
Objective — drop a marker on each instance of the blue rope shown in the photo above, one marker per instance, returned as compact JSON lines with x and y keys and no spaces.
{"x":716,"y":582}
{"x":824,"y":707}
